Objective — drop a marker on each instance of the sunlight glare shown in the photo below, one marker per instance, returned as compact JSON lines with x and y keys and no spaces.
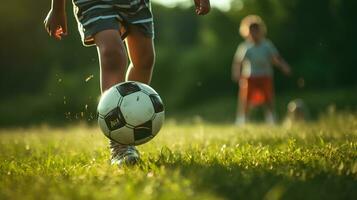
{"x":223,"y":5}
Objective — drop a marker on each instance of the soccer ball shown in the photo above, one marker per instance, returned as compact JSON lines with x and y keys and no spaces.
{"x":130,"y":113}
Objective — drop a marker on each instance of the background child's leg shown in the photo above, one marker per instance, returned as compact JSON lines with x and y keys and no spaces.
{"x":269,"y":113}
{"x":268,"y":90}
{"x":112,"y":58}
{"x":243,"y":111}
{"x":142,"y":56}
{"x":242,"y":104}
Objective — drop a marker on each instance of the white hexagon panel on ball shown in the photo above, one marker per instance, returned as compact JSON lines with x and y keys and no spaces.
{"x":108,"y":101}
{"x":137,"y":108}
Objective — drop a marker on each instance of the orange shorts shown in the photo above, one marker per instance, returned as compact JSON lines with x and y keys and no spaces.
{"x":256,"y":90}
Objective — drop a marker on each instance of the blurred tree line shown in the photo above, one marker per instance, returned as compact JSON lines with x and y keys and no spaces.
{"x":54,"y":80}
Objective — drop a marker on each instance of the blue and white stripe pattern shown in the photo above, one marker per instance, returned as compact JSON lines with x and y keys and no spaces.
{"x":89,"y":13}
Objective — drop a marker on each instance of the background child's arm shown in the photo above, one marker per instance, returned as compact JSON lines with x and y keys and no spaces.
{"x":238,"y":59}
{"x":202,"y":7}
{"x":281,"y":64}
{"x":236,"y":69}
{"x":56,"y":20}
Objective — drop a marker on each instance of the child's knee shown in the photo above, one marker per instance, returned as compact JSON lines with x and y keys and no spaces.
{"x":114,"y":57}
{"x":112,"y":52}
{"x":110,"y":48}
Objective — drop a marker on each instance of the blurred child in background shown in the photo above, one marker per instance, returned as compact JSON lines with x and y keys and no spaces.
{"x":252,"y":69}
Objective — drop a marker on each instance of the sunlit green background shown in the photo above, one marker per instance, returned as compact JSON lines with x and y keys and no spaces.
{"x":46,"y":81}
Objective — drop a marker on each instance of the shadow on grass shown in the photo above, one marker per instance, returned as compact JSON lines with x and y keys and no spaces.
{"x":235,"y":182}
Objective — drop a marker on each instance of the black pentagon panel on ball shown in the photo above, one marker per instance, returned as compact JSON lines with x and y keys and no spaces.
{"x":128,"y":88}
{"x":143,"y":131}
{"x":114,"y":119}
{"x":157,"y":103}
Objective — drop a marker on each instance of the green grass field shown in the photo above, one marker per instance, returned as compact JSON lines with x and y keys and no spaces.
{"x":198,"y":160}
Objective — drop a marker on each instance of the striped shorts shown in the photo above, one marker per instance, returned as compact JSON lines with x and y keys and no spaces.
{"x":94,"y":16}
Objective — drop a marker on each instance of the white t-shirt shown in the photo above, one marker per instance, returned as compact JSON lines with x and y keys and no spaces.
{"x":256,"y":59}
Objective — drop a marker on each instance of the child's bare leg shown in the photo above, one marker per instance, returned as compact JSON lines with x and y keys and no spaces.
{"x":242,"y":110}
{"x":113,"y":63}
{"x":269,"y":113}
{"x":142,"y":56}
{"x":242,"y":104}
{"x":112,"y":58}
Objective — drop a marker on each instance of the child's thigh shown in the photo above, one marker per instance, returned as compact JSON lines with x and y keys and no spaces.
{"x":140,"y":46}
